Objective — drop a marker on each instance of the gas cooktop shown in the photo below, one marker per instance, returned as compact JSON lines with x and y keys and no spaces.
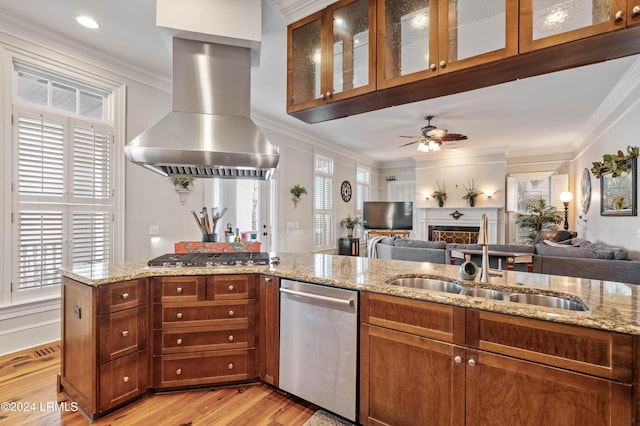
{"x":178,"y":260}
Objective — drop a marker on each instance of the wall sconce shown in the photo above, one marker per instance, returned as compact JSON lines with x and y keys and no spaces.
{"x":566,"y":197}
{"x":426,"y":195}
{"x":490,"y":193}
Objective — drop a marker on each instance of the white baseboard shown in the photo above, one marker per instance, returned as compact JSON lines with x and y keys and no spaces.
{"x":28,"y":324}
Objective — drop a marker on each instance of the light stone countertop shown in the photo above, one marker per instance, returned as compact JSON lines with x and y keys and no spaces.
{"x":613,"y":306}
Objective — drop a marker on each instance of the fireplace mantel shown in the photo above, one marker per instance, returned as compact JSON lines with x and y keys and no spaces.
{"x":470,"y":216}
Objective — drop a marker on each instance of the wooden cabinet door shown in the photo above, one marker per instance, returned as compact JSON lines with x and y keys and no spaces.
{"x":633,"y":12}
{"x":505,"y":391}
{"x":471,"y":33}
{"x":351,"y":49}
{"x":407,"y":46}
{"x":123,"y":379}
{"x":409,"y":380}
{"x":544,"y":24}
{"x":269,"y":329}
{"x":305,"y":75}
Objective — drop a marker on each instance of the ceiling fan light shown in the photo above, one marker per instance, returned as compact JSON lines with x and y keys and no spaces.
{"x":437,"y":133}
{"x":423,"y":147}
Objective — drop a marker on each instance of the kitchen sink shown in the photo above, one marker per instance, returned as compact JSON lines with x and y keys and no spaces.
{"x":484,"y":292}
{"x":429,"y":284}
{"x":548,"y":301}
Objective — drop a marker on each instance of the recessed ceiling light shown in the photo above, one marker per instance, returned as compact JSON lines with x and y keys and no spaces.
{"x":87,"y":22}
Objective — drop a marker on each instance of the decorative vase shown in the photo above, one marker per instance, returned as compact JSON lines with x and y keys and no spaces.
{"x":440,"y":202}
{"x":472,"y":201}
{"x":350,"y":231}
{"x":468,"y":270}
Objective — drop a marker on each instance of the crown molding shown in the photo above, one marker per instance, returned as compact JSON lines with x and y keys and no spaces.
{"x":55,"y":42}
{"x":294,"y":10}
{"x":279,"y":127}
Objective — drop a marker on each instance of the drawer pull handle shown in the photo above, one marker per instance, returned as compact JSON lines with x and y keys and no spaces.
{"x":125,"y":296}
{"x":267,"y":280}
{"x":179,"y":315}
{"x":231,"y":313}
{"x":125,"y":333}
{"x":231,"y":288}
{"x":230,"y":366}
{"x":472,"y":362}
{"x":231,"y":337}
{"x":619,"y":15}
{"x":179,"y":371}
{"x":179,"y":290}
{"x":179,"y":341}
{"x":125,"y":379}
{"x":457,"y":359}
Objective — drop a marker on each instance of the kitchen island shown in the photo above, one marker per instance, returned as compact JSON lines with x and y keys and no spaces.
{"x":464,"y":332}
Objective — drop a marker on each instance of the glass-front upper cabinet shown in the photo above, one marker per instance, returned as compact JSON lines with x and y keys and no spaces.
{"x":304,"y":72}
{"x":424,"y":38}
{"x":474,"y":32}
{"x":332,"y":54}
{"x":408,"y":46}
{"x":547,"y":23}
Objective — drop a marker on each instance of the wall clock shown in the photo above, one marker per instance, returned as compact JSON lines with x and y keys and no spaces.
{"x":345,"y":191}
{"x":585,"y":190}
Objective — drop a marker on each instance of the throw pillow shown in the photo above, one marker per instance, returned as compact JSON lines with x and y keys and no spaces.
{"x":401,"y":242}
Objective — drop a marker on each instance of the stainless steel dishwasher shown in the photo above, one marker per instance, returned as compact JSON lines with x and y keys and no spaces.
{"x":318,"y":345}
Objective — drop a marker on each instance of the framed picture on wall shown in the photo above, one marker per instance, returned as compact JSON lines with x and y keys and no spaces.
{"x":618,"y":194}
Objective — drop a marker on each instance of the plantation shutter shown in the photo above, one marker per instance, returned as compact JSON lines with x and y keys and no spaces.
{"x":323,"y":202}
{"x":91,"y":235}
{"x":92,"y":159}
{"x":40,"y":242}
{"x":40,"y":156}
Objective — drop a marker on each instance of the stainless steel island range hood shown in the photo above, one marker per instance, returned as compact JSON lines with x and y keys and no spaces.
{"x":208,"y":132}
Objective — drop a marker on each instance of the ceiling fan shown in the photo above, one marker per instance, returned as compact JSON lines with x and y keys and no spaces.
{"x":433,"y":137}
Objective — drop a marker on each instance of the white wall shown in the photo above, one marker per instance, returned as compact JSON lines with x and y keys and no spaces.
{"x":621,"y":129}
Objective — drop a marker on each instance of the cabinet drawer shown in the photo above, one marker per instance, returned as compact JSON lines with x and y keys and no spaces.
{"x":225,"y":287}
{"x":122,"y":333}
{"x":123,"y":379}
{"x":203,"y":368}
{"x":440,"y":322}
{"x":595,"y":352}
{"x":204,"y":313}
{"x":179,"y":289}
{"x":120,"y":296}
{"x":193,"y":339}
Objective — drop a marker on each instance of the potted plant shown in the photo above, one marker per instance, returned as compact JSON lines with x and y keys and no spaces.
{"x":297,"y":191}
{"x":182,"y":182}
{"x":350,"y":222}
{"x":183,"y":186}
{"x":440,"y":194}
{"x":540,"y":216}
{"x":615,"y":164}
{"x":471,"y":193}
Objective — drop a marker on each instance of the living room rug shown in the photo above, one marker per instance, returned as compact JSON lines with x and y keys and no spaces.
{"x":324,"y":418}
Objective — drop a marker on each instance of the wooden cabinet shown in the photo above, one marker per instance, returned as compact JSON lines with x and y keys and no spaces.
{"x":407,"y":354}
{"x":419,"y":39}
{"x":203,"y":330}
{"x":544,"y":24}
{"x":104,"y":338}
{"x":331,"y":54}
{"x":269,"y":329}
{"x":431,"y":48}
{"x":481,"y":368}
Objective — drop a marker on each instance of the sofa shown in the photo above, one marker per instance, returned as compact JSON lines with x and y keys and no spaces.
{"x":558,"y":253}
{"x":554,"y":253}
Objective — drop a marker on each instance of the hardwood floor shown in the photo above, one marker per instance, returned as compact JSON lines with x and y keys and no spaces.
{"x":28,"y":383}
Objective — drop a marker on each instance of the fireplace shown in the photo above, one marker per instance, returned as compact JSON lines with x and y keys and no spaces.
{"x":454,"y":234}
{"x":458,"y":224}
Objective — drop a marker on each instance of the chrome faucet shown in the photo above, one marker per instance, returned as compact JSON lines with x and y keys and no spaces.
{"x":483,"y":240}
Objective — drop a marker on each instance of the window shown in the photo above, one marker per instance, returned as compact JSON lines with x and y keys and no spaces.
{"x":362,"y":189}
{"x":63,"y":187}
{"x":323,"y":202}
{"x":524,"y":188}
